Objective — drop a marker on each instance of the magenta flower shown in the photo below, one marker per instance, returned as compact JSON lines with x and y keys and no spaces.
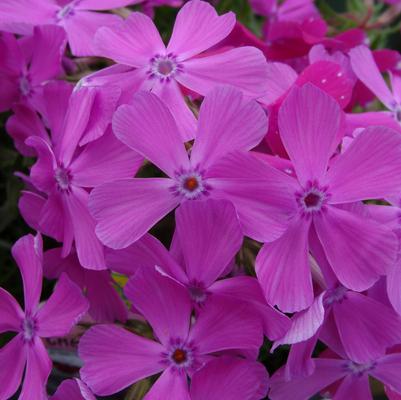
{"x":228,"y":126}
{"x":54,"y":318}
{"x":359,"y":250}
{"x":105,"y":304}
{"x":64,"y":172}
{"x":76,"y":17}
{"x":115,"y":358}
{"x":213,"y":241}
{"x":136,"y":43}
{"x":22,"y":73}
{"x":352,"y":377}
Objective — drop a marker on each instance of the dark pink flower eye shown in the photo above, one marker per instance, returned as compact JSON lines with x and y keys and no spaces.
{"x":179,"y":356}
{"x":191,"y":183}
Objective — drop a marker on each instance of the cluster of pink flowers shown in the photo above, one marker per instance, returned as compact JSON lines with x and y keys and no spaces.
{"x":239,"y":137}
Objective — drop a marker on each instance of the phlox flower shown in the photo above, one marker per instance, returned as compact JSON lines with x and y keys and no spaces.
{"x":115,"y":358}
{"x":218,"y":167}
{"x":25,"y":65}
{"x":56,"y":317}
{"x":207,"y":234}
{"x":78,"y":18}
{"x":351,"y":379}
{"x":359,"y":250}
{"x":63,"y":173}
{"x":148,"y":64}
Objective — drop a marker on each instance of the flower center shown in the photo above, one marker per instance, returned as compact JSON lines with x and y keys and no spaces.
{"x":179,"y":356}
{"x":24,"y":85}
{"x":164,"y":67}
{"x":359,"y":370}
{"x":312,"y":199}
{"x":336,"y":295}
{"x":67,"y":10}
{"x":190,"y":184}
{"x":63,"y":178}
{"x":29,"y":328}
{"x":197,"y":292}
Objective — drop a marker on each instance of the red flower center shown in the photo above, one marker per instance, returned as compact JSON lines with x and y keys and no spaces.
{"x":179,"y":356}
{"x":312,"y":200}
{"x":191,"y":183}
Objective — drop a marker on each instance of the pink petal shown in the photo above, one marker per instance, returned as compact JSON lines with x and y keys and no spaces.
{"x":226,"y":324}
{"x":89,"y":248}
{"x":148,"y":127}
{"x":358,"y":249}
{"x":104,"y":160}
{"x":49,"y":43}
{"x":300,"y":362}
{"x":241,"y":126}
{"x":171,"y":385}
{"x":9,"y":93}
{"x":262,"y":195}
{"x":354,"y":388}
{"x":388,"y":371}
{"x":305,"y":324}
{"x":115,"y":358}
{"x":327,"y":371}
{"x":394,"y":287}
{"x":12,"y":359}
{"x":210,"y":235}
{"x":56,"y":97}
{"x":165,"y":304}
{"x":226,"y":378}
{"x":127,"y":209}
{"x":329,"y":77}
{"x":82,"y":27}
{"x":170,"y":93}
{"x":369,"y":168}
{"x":24,"y":123}
{"x":283,"y":270}
{"x":76,"y":120}
{"x":197,"y":28}
{"x":27,"y":253}
{"x":42,"y":172}
{"x":243,"y":67}
{"x":366,"y":70}
{"x":147,"y":252}
{"x":360,"y":321}
{"x":11,"y":313}
{"x":105,"y":302}
{"x":246,"y":288}
{"x":280,"y":78}
{"x":63,"y":310}
{"x":20,"y":16}
{"x":73,"y":389}
{"x":103,"y":108}
{"x":37,"y":371}
{"x":133,"y":42}
{"x":52,"y":218}
{"x":30,"y":205}
{"x":309,"y":140}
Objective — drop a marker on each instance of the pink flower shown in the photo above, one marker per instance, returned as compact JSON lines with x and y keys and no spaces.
{"x":54,"y":318}
{"x":207,"y":233}
{"x":77,"y":17}
{"x":115,"y":358}
{"x":23,"y":72}
{"x":64,"y":172}
{"x":359,"y":250}
{"x":219,"y":167}
{"x":352,"y":377}
{"x":137,"y":44}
